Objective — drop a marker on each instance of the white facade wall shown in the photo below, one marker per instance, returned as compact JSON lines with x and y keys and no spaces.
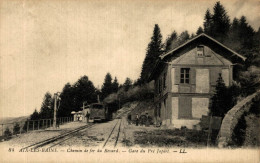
{"x":225,"y":76}
{"x":174,"y":87}
{"x":202,"y":80}
{"x":200,"y":107}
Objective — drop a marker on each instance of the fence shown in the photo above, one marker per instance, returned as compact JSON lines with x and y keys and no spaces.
{"x":9,"y":129}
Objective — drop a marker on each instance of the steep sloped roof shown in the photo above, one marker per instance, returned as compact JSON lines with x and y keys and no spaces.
{"x":230,"y":54}
{"x":207,"y":37}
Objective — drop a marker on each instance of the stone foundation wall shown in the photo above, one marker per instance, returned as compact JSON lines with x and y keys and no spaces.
{"x":231,"y":119}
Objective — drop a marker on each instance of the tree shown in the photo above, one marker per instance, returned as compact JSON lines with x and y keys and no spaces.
{"x":127,"y":84}
{"x":16,"y":129}
{"x":199,"y":31}
{"x":171,"y":41}
{"x":219,"y":101}
{"x":115,"y":85}
{"x":234,"y":36}
{"x":246,"y":33}
{"x":192,"y":35}
{"x":220,"y":22}
{"x":35,"y":115}
{"x":107,"y":87}
{"x":184,"y":36}
{"x":67,"y":102}
{"x":83,"y":90}
{"x":7,"y":133}
{"x":46,"y":111}
{"x":153,"y":51}
{"x":208,"y":22}
{"x":249,"y":80}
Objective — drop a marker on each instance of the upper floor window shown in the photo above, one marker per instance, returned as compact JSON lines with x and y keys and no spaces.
{"x":200,"y":51}
{"x":185,"y":75}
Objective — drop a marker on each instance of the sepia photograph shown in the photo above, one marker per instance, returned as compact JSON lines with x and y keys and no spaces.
{"x":130,"y":81}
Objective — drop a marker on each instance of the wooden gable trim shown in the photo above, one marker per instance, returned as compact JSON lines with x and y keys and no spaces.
{"x":230,"y":50}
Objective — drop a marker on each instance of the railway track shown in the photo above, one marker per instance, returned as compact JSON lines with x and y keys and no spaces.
{"x":113,"y":137}
{"x":54,"y":141}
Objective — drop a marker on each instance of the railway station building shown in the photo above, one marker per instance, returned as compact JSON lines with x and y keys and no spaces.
{"x":185,"y":79}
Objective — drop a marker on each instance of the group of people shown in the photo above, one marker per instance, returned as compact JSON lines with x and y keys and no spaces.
{"x":137,"y":119}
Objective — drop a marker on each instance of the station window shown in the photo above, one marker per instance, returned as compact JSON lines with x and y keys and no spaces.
{"x":185,"y":75}
{"x":200,"y":51}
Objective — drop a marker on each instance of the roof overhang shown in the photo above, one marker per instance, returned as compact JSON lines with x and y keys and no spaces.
{"x":208,"y":37}
{"x":162,"y":61}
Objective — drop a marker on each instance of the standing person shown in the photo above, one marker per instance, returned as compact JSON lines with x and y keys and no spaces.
{"x":129,"y":119}
{"x":58,"y":123}
{"x":137,"y":119}
{"x":87,"y":115}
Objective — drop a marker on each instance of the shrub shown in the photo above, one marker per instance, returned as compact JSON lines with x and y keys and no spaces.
{"x":255,"y":107}
{"x":25,"y":126}
{"x":7,"y":134}
{"x":16,"y":129}
{"x":238,"y":136}
{"x":196,"y":136}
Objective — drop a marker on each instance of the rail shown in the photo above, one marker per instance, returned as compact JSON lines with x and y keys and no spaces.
{"x":57,"y":140}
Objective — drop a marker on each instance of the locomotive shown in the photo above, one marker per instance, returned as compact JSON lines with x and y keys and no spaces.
{"x":97,"y":112}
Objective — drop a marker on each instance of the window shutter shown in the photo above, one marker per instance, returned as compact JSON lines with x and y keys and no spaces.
{"x":185,"y":108}
{"x":177,"y":75}
{"x":193,"y":76}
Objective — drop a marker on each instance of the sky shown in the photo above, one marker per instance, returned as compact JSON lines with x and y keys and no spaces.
{"x":45,"y":44}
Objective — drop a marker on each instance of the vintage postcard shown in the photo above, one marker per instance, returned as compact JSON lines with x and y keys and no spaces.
{"x":129,"y":81}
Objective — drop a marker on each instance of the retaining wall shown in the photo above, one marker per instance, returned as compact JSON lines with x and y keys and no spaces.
{"x":231,"y":119}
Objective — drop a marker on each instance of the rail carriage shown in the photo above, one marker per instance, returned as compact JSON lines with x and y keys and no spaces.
{"x":98,"y":112}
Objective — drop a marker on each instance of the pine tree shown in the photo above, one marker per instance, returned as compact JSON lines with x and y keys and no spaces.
{"x":199,"y":31}
{"x":184,"y":36}
{"x":246,"y":34}
{"x":233,"y":39}
{"x":235,"y":25}
{"x":127,"y":84}
{"x":153,"y":51}
{"x":171,"y":41}
{"x":115,"y":85}
{"x":35,"y":115}
{"x":220,"y":22}
{"x":107,"y":87}
{"x":208,"y":23}
{"x":46,"y":111}
{"x":67,"y":103}
{"x":83,"y":90}
{"x":222,"y":100}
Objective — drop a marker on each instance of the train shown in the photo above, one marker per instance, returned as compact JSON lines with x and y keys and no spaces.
{"x":97,"y":112}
